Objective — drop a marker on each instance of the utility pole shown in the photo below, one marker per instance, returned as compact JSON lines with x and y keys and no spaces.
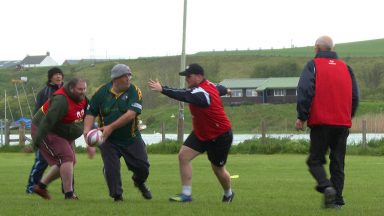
{"x":180,"y":125}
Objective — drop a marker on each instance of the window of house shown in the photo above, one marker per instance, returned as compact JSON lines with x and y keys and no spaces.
{"x":251,"y":93}
{"x":279,"y":92}
{"x":237,"y":93}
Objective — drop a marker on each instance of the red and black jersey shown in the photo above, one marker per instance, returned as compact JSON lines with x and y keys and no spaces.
{"x":208,"y":117}
{"x":209,"y":122}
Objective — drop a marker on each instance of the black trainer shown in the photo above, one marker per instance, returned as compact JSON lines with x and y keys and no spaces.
{"x":329,"y":197}
{"x":118,"y":198}
{"x":73,"y":197}
{"x":145,"y":192}
{"x":228,"y":199}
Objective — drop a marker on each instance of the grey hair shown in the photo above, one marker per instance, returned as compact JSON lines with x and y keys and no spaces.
{"x":324,"y":43}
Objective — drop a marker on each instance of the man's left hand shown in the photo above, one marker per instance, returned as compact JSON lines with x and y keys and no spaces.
{"x":299,"y":125}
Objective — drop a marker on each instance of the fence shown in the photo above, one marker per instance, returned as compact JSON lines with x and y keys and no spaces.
{"x":362,"y":126}
{"x":5,"y":133}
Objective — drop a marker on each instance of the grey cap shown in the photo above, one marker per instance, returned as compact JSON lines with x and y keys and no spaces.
{"x":120,"y":70}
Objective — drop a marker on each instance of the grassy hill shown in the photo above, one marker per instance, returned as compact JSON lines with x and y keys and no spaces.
{"x":368,"y":68}
{"x":368,"y":48}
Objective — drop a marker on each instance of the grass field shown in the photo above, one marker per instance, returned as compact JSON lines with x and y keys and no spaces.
{"x":268,"y":185}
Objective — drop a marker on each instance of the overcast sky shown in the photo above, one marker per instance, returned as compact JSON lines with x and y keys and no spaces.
{"x":75,"y":29}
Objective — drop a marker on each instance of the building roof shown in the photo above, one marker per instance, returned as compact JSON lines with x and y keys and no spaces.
{"x":9,"y":64}
{"x":83,"y":61}
{"x":279,"y":82}
{"x":262,"y":83}
{"x":33,"y":60}
{"x":71,"y":61}
{"x":243,"y":83}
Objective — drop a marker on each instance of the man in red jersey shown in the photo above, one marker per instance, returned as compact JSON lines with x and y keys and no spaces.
{"x":211,"y":129}
{"x":54,"y":129}
{"x":327,"y":98}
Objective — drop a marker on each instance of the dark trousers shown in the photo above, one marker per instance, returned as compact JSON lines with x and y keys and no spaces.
{"x":37,"y":171}
{"x":333,"y":138}
{"x":135,"y":157}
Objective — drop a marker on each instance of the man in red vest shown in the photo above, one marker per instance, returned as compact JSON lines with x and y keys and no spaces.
{"x":54,"y":128}
{"x":327,"y":99}
{"x":211,"y":129}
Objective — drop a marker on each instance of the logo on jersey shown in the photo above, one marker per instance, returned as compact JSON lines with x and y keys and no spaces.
{"x":331,"y":62}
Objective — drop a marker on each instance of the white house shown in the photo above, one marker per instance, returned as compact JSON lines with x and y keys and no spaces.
{"x":38,"y":61}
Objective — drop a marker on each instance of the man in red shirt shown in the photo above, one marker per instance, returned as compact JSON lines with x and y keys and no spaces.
{"x":327,"y":98}
{"x":54,"y":129}
{"x":211,"y":129}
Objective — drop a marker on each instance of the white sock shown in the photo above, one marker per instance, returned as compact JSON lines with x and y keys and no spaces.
{"x":228,"y":193}
{"x":187,"y":190}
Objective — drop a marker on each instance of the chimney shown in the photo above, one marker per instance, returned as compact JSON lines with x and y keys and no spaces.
{"x":48,"y":53}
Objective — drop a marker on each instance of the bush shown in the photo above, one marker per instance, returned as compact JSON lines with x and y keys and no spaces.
{"x":252,"y":146}
{"x":166,"y":147}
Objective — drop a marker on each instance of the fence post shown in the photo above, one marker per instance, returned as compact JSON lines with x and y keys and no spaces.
{"x":22,"y":133}
{"x":6,"y":132}
{"x":364,"y":130}
{"x":162,"y":131}
{"x":263,"y":132}
{"x":2,"y":125}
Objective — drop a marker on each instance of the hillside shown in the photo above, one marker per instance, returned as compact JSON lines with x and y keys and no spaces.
{"x":368,"y":68}
{"x":368,"y":48}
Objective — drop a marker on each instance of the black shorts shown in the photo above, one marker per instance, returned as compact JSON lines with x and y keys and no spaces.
{"x":217,"y":149}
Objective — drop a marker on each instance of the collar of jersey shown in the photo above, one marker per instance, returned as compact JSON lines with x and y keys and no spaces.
{"x":114,"y":93}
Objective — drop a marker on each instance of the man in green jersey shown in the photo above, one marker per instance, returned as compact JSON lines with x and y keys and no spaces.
{"x":117,"y":105}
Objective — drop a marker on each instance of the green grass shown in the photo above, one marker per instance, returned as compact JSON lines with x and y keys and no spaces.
{"x":366,"y":48}
{"x":268,"y":185}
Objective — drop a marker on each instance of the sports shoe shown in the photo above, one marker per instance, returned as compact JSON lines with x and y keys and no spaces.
{"x":145,"y":192}
{"x":41,"y":192}
{"x":329,"y":197}
{"x":118,"y":198}
{"x":180,"y":198}
{"x":73,"y":197}
{"x":228,"y":199}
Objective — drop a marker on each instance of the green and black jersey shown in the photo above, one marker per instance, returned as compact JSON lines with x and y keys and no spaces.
{"x":108,"y":107}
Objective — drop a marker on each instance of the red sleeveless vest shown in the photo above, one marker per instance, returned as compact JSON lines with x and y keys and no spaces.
{"x":332,"y":103}
{"x":76,"y":110}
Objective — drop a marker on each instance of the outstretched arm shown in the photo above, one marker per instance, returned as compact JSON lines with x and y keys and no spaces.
{"x":197,"y":96}
{"x":155,"y":85}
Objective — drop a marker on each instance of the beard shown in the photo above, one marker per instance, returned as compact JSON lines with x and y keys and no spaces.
{"x":79,"y":97}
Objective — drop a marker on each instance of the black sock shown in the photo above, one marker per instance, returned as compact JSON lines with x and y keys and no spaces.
{"x":69,"y":194}
{"x":42,"y":186}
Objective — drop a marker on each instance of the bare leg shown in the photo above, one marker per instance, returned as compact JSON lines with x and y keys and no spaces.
{"x":223,"y":176}
{"x":53,"y":174}
{"x":66,"y":173}
{"x":186,"y":155}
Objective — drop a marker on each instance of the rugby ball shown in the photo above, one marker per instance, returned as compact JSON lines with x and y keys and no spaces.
{"x":95,"y":137}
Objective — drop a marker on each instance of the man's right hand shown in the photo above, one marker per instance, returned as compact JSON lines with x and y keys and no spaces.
{"x":91,"y":151}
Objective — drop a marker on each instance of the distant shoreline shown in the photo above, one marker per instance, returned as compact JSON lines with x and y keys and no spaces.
{"x":353,"y":139}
